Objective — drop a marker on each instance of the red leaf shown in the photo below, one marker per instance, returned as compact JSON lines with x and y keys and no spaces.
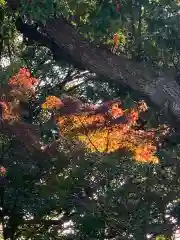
{"x":118,"y":7}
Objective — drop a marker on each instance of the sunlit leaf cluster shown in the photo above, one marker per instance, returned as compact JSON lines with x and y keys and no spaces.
{"x":110,"y":129}
{"x":21,"y":88}
{"x":52,"y":102}
{"x":23,"y":80}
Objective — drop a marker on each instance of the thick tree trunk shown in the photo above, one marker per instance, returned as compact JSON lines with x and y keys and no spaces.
{"x":160,"y":89}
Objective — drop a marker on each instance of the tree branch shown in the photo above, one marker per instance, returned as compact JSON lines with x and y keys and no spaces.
{"x":161,"y":90}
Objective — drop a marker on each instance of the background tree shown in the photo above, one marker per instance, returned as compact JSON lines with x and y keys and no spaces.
{"x":101,"y":196}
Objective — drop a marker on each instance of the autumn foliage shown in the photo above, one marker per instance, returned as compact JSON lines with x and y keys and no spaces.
{"x":52,"y":102}
{"x":105,"y":129}
{"x":23,"y":80}
{"x":109,"y":128}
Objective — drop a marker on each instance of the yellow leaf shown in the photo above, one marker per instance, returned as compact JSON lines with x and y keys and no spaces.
{"x":2,"y":3}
